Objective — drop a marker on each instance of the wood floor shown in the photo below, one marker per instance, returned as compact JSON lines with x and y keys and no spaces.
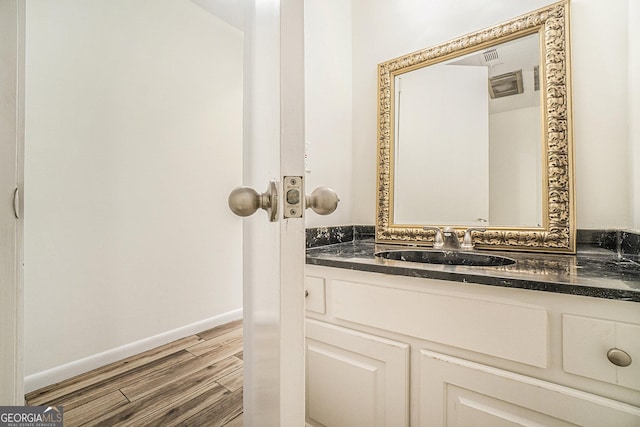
{"x":195,"y":381}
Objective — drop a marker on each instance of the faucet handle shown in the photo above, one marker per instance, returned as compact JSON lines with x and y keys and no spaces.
{"x":438,"y":241}
{"x":467,"y":242}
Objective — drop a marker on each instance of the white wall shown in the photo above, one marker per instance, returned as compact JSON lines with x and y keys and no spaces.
{"x":634,"y":107}
{"x":328,"y":104}
{"x":384,"y":29}
{"x":603,"y":176}
{"x":133,"y":142}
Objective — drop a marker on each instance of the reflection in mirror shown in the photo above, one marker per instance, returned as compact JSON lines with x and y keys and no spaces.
{"x":468,"y":140}
{"x":477,"y":131}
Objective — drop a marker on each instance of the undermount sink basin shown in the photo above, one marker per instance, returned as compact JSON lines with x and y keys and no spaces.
{"x":446,"y":257}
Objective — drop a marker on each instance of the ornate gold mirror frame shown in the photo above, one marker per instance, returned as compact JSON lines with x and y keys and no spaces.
{"x":557,"y":233}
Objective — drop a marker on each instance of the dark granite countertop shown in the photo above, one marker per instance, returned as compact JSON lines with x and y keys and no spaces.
{"x":593,"y":272}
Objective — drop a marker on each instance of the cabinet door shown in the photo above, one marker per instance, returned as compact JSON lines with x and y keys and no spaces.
{"x":355,"y":379}
{"x":456,"y":392}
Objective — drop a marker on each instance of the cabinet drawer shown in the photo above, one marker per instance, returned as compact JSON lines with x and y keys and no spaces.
{"x":586,"y":342}
{"x":498,"y":328}
{"x":315,"y":294}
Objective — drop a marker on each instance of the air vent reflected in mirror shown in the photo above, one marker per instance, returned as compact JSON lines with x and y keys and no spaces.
{"x":506,"y":84}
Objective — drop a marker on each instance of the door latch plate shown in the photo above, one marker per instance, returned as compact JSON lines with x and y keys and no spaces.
{"x":293,"y":196}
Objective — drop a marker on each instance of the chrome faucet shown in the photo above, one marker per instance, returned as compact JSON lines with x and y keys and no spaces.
{"x":467,"y":241}
{"x":447,"y":239}
{"x":451,"y":242}
{"x":438,"y":242}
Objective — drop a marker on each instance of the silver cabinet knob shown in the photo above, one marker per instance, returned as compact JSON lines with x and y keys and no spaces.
{"x":619,"y":357}
{"x":323,"y":200}
{"x":244,"y":201}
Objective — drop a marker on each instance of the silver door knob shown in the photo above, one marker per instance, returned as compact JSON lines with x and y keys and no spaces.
{"x":323,"y":200}
{"x":244,"y":201}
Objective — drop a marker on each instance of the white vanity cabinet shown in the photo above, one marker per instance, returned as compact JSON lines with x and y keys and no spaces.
{"x":395,"y":351}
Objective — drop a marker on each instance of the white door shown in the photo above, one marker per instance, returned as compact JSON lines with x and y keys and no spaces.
{"x":11,"y":177}
{"x":273,"y":253}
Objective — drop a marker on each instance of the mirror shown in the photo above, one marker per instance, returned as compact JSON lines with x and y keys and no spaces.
{"x":492,"y":163}
{"x":477,"y":132}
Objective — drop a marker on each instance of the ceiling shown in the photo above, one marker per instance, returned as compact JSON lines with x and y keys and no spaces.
{"x":230,"y":11}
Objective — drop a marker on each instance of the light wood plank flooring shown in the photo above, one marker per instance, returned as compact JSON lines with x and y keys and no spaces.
{"x":194,"y":381}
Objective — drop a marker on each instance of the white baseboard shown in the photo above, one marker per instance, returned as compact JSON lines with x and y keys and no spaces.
{"x":59,"y":373}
